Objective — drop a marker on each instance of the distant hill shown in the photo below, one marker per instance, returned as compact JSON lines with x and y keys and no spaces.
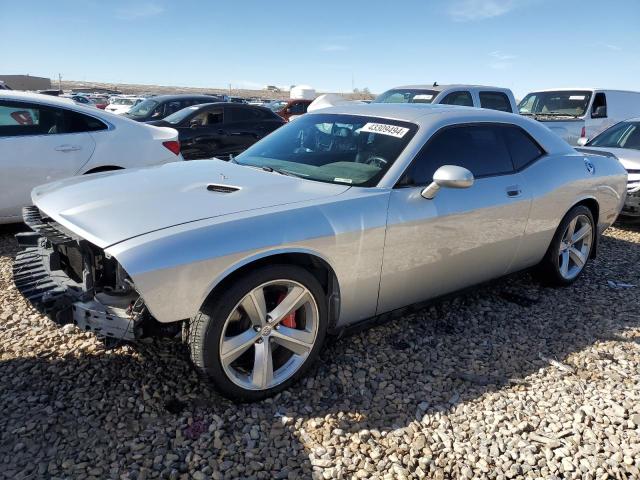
{"x":137,"y":89}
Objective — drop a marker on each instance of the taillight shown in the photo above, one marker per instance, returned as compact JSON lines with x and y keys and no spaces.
{"x":583,"y":132}
{"x":173,"y":145}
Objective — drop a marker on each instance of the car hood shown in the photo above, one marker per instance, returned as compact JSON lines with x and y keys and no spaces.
{"x":111,"y":207}
{"x":629,"y":158}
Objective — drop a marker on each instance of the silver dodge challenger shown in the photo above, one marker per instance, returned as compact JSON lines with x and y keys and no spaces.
{"x":341,"y":216}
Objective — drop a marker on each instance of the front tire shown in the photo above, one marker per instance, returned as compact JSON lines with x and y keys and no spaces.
{"x":261,"y":334}
{"x":570,"y":248}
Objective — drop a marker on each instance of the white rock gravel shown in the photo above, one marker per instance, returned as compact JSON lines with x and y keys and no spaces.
{"x":457,"y":390}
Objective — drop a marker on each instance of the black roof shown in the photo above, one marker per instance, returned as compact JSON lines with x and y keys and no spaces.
{"x":230,"y":104}
{"x":181,"y":96}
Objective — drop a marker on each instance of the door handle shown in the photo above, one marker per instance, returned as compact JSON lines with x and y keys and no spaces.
{"x":68,"y":148}
{"x":514,"y":191}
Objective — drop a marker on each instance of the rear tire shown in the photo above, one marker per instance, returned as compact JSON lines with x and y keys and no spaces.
{"x":569,"y":250}
{"x":260,"y":335}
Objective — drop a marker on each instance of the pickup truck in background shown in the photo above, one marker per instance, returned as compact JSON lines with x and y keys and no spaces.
{"x":493,"y":98}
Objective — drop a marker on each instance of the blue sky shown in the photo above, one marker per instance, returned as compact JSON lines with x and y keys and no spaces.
{"x":520,"y":44}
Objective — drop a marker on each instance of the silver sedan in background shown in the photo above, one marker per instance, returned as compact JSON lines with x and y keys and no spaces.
{"x":343,"y":215}
{"x":623,"y":141}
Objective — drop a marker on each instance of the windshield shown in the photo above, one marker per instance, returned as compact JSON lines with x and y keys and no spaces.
{"x":180,"y":115}
{"x":276,"y":106}
{"x":621,"y":135}
{"x":572,"y":103}
{"x":410,"y":95}
{"x":122,"y":101}
{"x":143,"y":108}
{"x":345,"y":149}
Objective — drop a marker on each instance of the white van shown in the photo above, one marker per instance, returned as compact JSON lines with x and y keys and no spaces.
{"x":580,"y":113}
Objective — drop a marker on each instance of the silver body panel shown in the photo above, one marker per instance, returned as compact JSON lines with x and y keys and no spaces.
{"x":388,"y":247}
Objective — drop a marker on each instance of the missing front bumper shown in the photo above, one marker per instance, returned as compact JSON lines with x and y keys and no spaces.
{"x":53,"y":293}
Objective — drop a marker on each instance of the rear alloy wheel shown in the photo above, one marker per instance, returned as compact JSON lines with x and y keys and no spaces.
{"x":570,"y":248}
{"x":262,"y":333}
{"x":575,"y":247}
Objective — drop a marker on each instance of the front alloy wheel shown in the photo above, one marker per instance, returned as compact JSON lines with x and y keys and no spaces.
{"x":269,"y":334}
{"x":258,"y":336}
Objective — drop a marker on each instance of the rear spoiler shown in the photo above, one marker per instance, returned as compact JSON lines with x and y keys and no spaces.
{"x":596,"y":153}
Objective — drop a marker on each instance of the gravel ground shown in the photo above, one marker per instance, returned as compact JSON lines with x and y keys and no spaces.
{"x":509,"y":381}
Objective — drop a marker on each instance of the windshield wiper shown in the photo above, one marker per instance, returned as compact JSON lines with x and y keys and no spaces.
{"x":281,"y":172}
{"x":555,"y":114}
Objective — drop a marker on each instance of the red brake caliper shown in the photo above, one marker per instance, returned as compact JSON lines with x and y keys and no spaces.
{"x":289,"y":320}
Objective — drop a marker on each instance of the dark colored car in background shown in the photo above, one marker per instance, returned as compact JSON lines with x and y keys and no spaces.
{"x":161,"y":106}
{"x":220,"y":129}
{"x":289,"y":108}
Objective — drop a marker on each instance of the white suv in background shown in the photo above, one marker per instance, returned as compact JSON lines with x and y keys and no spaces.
{"x":45,"y":138}
{"x":122,"y":105}
{"x":493,"y":98}
{"x":579,"y":114}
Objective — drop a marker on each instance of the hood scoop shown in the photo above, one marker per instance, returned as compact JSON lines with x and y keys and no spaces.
{"x":214,"y":187}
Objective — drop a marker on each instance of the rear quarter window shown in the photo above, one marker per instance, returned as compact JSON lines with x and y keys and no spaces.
{"x":522,"y":148}
{"x":77,"y":122}
{"x":461,"y":98}
{"x":495,"y":101}
{"x":239,"y":114}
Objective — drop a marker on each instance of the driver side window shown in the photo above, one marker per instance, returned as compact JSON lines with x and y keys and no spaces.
{"x":478,"y":148}
{"x":172,"y":107}
{"x":209,"y":117}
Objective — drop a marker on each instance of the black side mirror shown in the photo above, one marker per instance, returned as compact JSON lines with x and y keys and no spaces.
{"x":600,"y":112}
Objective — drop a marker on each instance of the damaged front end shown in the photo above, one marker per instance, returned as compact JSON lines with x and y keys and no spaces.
{"x":72,"y":280}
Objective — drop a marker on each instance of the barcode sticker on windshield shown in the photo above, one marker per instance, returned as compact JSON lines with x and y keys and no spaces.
{"x":576,"y":97}
{"x":385,"y":129}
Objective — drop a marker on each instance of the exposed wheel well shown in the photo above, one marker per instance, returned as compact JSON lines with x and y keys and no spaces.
{"x":105,"y":168}
{"x":592,"y":205}
{"x":313,"y":264}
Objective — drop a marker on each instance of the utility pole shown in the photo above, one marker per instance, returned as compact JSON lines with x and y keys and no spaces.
{"x":59,"y":81}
